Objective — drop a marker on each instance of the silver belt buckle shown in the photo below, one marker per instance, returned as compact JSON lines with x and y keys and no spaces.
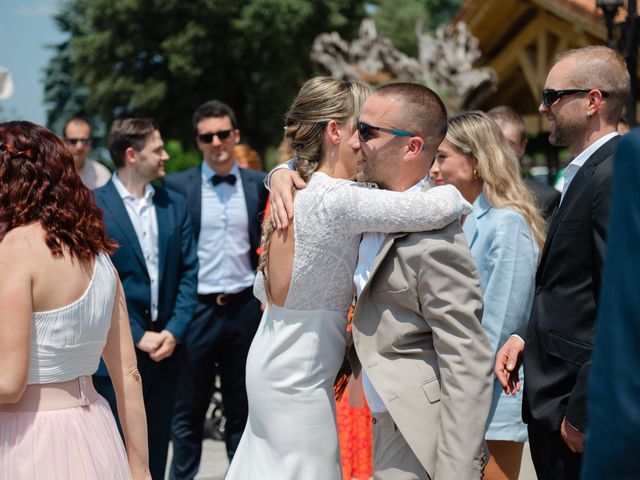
{"x":222,"y":299}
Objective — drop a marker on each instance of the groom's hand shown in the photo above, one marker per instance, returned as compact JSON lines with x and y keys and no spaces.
{"x":283,"y":182}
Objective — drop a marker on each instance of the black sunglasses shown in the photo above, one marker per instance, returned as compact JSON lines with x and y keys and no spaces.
{"x":208,"y":137}
{"x":74,"y":141}
{"x":551,"y":96}
{"x":364,"y":131}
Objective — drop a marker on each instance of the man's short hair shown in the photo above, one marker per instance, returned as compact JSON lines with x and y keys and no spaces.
{"x":504,"y":115}
{"x":215,"y":109}
{"x":425,"y":112}
{"x":602,"y":68}
{"x":129,"y":132}
{"x":74,"y":120}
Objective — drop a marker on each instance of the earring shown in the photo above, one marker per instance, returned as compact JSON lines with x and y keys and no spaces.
{"x":476,"y":175}
{"x":333,"y":153}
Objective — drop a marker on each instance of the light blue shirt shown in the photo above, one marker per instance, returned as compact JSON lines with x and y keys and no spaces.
{"x":369,"y":246}
{"x":506,"y":256}
{"x":224,"y":247}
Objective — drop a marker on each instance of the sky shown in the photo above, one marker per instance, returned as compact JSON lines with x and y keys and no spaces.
{"x":26,"y":28}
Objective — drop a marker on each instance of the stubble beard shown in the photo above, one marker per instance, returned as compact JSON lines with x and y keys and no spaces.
{"x":565,"y":133}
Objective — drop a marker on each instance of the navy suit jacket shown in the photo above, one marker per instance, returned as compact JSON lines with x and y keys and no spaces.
{"x":178,"y":262}
{"x":614,"y":385}
{"x":189,"y":184}
{"x":560,"y":333}
{"x":547,"y":198}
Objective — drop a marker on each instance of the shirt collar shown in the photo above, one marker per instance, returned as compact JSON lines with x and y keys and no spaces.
{"x":481,"y":205}
{"x":149,"y":191}
{"x":581,"y":159}
{"x":418,"y":186}
{"x":208,"y":172}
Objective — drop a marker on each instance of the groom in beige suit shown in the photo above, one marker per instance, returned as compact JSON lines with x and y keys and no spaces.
{"x":427,"y":365}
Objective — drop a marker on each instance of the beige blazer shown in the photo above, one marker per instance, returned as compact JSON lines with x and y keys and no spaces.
{"x":417,"y":332}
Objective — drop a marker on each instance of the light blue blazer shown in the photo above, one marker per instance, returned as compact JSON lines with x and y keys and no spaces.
{"x":506,"y":256}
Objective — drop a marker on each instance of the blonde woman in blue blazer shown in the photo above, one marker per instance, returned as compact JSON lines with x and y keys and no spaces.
{"x":505,"y":233}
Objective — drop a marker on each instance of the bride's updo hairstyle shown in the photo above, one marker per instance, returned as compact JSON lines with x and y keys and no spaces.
{"x":320,"y":100}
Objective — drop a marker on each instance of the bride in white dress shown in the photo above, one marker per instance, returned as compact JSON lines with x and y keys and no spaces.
{"x":305,"y":280}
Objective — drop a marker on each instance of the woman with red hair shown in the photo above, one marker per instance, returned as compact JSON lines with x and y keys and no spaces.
{"x":61,"y":308}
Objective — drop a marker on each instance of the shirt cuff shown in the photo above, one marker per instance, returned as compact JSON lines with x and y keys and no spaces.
{"x":267,"y":180}
{"x":518,"y":337}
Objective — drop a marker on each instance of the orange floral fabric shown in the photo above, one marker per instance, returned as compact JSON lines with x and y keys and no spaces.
{"x":354,"y":432}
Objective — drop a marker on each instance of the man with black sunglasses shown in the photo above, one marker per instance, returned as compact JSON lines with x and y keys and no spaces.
{"x":583,"y":98}
{"x":225,"y":203}
{"x":77,"y":136}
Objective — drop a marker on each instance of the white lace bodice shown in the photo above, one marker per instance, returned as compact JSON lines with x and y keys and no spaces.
{"x":329,"y":217}
{"x":67,"y":342}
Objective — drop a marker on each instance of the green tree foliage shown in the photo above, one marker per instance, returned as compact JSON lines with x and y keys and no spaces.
{"x":163,"y":58}
{"x":179,"y":159}
{"x":65,"y":98}
{"x":396,"y":19}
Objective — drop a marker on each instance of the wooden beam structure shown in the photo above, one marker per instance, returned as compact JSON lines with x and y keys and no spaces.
{"x":519,"y":39}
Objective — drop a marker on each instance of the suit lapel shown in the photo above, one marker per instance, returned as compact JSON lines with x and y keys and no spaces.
{"x":194,"y":197}
{"x":251,"y":199}
{"x":381,"y":255}
{"x":470,"y":226}
{"x":576,"y":187}
{"x":115,"y":206}
{"x":160,"y":201}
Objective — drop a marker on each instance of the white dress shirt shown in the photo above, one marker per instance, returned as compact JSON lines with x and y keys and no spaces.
{"x":142,"y":213}
{"x":223,"y":247}
{"x":369,"y":247}
{"x":575,"y":165}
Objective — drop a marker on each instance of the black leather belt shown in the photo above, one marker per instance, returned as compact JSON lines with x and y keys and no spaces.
{"x":224,"y":299}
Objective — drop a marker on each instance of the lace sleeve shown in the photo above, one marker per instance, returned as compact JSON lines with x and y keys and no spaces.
{"x":362,"y":208}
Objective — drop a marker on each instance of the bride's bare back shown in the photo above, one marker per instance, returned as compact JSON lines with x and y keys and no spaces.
{"x":280,"y":264}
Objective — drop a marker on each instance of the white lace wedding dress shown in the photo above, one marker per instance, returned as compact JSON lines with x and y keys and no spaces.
{"x":291,"y":430}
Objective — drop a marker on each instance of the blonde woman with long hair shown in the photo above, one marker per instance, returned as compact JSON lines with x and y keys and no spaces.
{"x":305,"y":279}
{"x":505,"y":234}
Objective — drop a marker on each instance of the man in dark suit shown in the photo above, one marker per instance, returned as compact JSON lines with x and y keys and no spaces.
{"x":514,"y":130}
{"x":614,"y":386}
{"x":158,"y":266}
{"x":584,"y":94}
{"x":226,"y":204}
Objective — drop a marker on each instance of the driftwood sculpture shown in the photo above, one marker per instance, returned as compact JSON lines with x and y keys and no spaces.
{"x":444,"y":64}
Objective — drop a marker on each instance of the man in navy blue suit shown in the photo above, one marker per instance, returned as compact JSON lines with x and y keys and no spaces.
{"x":614,"y":386}
{"x":226,"y":203}
{"x":158,"y":266}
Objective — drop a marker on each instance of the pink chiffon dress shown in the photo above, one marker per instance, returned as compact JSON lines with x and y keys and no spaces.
{"x":61,"y":428}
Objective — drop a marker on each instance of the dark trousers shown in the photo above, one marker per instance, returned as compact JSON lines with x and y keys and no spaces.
{"x":551,"y":456}
{"x":159,"y":383}
{"x":221,"y":334}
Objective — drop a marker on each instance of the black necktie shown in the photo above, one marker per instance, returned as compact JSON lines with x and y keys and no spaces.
{"x":218,"y":179}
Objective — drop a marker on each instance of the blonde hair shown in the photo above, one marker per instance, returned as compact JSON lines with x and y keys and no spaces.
{"x":477,"y":135}
{"x":319,"y":101}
